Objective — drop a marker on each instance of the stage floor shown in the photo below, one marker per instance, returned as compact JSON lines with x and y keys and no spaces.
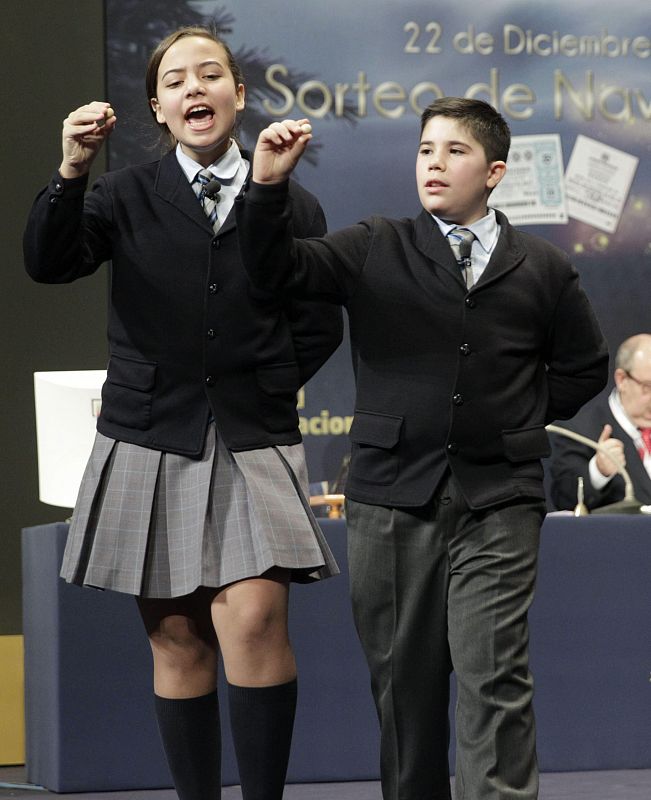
{"x":616,"y":785}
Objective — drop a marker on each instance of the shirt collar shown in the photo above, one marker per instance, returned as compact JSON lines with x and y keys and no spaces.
{"x":621,"y":416}
{"x":225,"y":168}
{"x":486,"y":229}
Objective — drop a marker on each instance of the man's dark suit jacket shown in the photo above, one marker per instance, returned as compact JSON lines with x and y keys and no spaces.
{"x":570,"y":461}
{"x":188,"y":335}
{"x":445,"y":376}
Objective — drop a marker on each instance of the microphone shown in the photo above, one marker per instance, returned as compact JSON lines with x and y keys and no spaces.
{"x":212,"y":189}
{"x":630,"y":504}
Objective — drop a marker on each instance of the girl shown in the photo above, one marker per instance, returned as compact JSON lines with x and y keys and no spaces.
{"x":192,"y":497}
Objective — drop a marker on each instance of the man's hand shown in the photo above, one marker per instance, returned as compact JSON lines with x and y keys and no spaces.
{"x":279,"y":149}
{"x":608,"y":464}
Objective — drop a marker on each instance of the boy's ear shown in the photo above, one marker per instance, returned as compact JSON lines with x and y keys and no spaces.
{"x":496,"y":173}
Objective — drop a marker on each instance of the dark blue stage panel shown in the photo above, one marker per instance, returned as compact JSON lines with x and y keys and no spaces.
{"x":89,"y":712}
{"x":591,"y":643}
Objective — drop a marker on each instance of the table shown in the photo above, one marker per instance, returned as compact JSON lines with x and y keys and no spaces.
{"x":88,"y":701}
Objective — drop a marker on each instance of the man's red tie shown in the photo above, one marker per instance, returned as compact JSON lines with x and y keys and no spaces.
{"x":645,"y":433}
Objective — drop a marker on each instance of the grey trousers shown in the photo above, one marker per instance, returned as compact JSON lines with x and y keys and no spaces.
{"x":443,"y":588}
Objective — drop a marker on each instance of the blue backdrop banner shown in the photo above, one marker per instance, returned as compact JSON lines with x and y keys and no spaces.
{"x":572,"y":80}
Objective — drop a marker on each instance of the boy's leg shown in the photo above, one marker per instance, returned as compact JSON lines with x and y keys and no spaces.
{"x":493,"y":571}
{"x":398,"y":577}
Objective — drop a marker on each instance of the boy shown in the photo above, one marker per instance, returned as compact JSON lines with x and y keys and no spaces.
{"x":460,"y":362}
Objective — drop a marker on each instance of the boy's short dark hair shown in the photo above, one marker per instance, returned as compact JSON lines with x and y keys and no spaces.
{"x":486,"y":124}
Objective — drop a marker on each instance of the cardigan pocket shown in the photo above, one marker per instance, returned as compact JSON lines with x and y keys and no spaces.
{"x":374,"y":438}
{"x":128,"y":392}
{"x":278,"y":385}
{"x":526,"y":444}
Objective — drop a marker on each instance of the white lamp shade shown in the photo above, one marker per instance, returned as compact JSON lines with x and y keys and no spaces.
{"x":67,"y":406}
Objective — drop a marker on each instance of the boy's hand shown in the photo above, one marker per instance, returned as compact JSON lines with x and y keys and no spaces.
{"x":279,"y":149}
{"x":84,"y":132}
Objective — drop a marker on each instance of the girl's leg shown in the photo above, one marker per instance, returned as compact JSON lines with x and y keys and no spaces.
{"x":184,"y":648}
{"x":250,"y":618}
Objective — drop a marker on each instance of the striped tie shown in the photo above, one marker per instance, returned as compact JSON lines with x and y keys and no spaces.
{"x":209,"y":205}
{"x":461,"y":240}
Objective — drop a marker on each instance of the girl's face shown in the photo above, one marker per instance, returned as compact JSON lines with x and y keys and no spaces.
{"x":197,"y":97}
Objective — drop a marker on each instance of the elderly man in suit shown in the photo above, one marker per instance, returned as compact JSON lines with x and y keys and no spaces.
{"x":621,"y":423}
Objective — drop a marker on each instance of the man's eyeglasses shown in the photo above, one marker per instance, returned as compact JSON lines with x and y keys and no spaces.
{"x":644,"y":385}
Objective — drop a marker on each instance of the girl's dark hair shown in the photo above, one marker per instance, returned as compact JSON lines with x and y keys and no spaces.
{"x":151,"y":73}
{"x":486,"y":124}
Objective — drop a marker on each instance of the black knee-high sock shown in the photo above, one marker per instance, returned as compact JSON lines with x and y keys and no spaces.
{"x":191,"y":738}
{"x":262,"y":721}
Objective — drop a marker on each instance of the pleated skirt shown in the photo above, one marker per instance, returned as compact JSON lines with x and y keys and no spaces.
{"x":156,"y":524}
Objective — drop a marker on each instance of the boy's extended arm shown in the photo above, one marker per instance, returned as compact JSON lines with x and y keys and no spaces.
{"x":264,"y":216}
{"x":318,"y":268}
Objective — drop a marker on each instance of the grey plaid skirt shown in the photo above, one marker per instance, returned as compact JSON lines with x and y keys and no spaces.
{"x":155,"y":524}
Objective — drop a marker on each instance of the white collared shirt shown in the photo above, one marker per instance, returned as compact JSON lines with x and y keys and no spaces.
{"x":487,"y":232}
{"x":231,"y":170}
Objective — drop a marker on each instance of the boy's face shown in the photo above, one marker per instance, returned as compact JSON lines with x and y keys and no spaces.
{"x":454,"y":178}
